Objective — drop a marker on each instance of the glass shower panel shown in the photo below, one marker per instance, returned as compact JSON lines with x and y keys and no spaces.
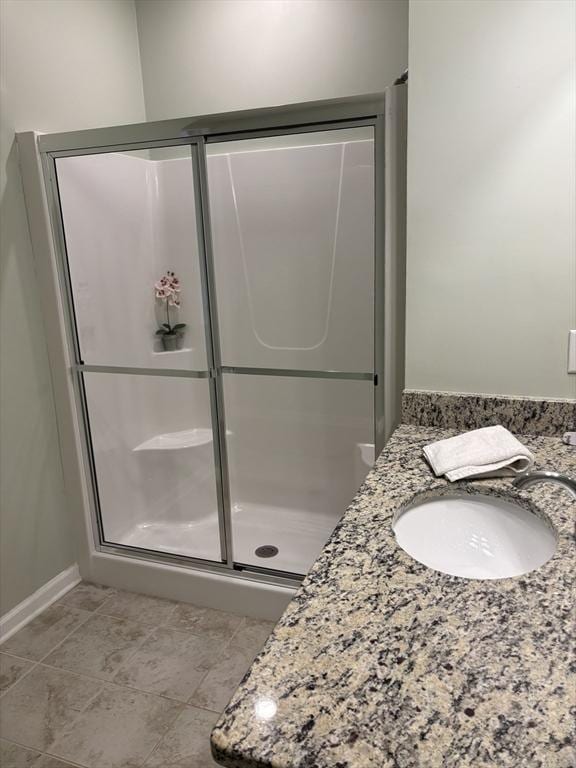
{"x":129,"y":217}
{"x":152,"y":444}
{"x":292,"y":221}
{"x":298,"y":449}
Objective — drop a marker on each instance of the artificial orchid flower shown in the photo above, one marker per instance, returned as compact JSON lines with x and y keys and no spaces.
{"x":167,"y":289}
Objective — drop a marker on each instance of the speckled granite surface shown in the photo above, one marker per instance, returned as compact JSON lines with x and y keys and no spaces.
{"x":521,"y":415}
{"x":380,"y":662}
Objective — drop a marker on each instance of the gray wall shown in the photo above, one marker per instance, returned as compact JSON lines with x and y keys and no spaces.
{"x":491,"y":230}
{"x":203,"y":56}
{"x":66,"y":65}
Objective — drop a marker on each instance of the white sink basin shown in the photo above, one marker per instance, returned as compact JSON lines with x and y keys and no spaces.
{"x":477,"y":537}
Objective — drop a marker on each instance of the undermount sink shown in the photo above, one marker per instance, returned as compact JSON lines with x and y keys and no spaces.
{"x":474,"y":536}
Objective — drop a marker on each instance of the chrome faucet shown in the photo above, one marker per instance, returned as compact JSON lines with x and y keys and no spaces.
{"x":530,"y":478}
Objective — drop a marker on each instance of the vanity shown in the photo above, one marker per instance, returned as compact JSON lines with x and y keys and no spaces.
{"x":382,"y":662}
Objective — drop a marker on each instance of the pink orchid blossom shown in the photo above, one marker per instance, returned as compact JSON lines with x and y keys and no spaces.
{"x":167,"y":290}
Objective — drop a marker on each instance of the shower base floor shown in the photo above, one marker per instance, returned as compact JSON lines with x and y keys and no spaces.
{"x":298,"y":535}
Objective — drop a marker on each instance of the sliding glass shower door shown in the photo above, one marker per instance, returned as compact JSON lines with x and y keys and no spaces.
{"x":292,"y":225}
{"x":221,"y":302}
{"x":129,"y":219}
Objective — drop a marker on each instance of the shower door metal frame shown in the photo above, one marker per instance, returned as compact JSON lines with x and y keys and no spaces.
{"x":79,"y":367}
{"x":196,"y":133}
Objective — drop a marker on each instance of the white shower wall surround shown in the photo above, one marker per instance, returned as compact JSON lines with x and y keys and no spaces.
{"x":307,"y":278}
{"x":127,"y":220}
{"x":294,"y":282}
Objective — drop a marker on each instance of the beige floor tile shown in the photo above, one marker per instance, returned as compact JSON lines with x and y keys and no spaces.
{"x":141,"y":608}
{"x":170,"y":663}
{"x":33,"y":712}
{"x":204,"y":621}
{"x":45,"y":761}
{"x":187,"y":743}
{"x":11,"y":670}
{"x":99,"y":647}
{"x":44,"y":632}
{"x":118,"y":729}
{"x":252,"y":635}
{"x":217,"y":687}
{"x":13,"y":756}
{"x":86,"y":596}
{"x":160,"y":649}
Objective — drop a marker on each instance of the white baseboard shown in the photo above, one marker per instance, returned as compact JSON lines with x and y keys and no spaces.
{"x":38,"y":601}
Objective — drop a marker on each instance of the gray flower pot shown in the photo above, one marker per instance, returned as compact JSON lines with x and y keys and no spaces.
{"x":170,"y":342}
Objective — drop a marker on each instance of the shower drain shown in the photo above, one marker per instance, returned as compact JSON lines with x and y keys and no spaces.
{"x":268,"y":550}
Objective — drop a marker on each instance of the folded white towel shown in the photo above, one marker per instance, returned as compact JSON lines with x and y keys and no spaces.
{"x":569,"y":438}
{"x":487,"y":452}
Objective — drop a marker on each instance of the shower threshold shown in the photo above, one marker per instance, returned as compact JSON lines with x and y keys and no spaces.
{"x":298,"y":536}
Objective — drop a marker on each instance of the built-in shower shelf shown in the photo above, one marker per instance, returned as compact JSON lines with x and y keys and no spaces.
{"x":176,"y":441}
{"x":174,"y":351}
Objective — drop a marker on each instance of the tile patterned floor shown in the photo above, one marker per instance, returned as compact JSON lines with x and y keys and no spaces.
{"x":112,"y":679}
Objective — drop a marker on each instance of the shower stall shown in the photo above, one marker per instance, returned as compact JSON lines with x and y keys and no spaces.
{"x":235,"y":448}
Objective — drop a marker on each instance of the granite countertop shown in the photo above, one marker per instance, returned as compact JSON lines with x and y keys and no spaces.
{"x":380,"y":662}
